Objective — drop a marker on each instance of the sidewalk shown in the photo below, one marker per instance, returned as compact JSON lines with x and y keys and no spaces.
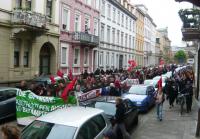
{"x":173,"y":126}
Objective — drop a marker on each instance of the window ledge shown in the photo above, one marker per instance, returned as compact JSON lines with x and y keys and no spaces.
{"x":76,"y":66}
{"x":64,"y":65}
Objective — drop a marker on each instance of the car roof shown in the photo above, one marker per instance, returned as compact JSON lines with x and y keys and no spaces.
{"x":71,"y":116}
{"x":8,"y":88}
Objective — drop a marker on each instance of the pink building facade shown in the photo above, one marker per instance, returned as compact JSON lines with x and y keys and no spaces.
{"x":79,"y":35}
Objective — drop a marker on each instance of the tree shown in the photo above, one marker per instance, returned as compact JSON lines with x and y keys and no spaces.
{"x":180,"y":56}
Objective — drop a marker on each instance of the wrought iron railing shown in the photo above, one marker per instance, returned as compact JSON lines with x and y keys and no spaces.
{"x":85,"y":37}
{"x":29,"y":18}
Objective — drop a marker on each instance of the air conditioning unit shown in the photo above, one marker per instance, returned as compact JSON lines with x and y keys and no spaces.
{"x":64,"y":26}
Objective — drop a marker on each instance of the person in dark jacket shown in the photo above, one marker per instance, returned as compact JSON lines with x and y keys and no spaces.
{"x":113,"y":91}
{"x":119,"y":119}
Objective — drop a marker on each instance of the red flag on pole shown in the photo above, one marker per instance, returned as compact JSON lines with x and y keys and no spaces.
{"x":70,"y":76}
{"x":160,"y":83}
{"x":67,"y":89}
{"x":59,"y":73}
{"x":53,"y":81}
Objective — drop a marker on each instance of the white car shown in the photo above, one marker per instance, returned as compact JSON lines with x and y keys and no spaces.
{"x":69,"y":123}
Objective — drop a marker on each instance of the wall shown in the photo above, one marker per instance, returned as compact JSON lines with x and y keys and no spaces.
{"x":6,"y":4}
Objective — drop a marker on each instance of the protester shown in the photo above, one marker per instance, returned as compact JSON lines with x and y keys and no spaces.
{"x":159,"y":103}
{"x":119,"y":119}
{"x":10,"y":132}
{"x":22,"y":86}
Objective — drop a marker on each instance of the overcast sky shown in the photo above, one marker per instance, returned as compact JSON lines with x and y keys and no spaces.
{"x":165,"y":14}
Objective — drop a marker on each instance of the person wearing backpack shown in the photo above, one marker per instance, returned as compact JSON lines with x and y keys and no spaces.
{"x":159,"y":98}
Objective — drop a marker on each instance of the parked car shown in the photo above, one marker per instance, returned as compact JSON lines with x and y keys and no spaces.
{"x":142,"y":95}
{"x":7,"y":102}
{"x":69,"y":123}
{"x":108,"y":105}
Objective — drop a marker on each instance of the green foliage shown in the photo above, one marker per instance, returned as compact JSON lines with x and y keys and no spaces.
{"x":180,"y":56}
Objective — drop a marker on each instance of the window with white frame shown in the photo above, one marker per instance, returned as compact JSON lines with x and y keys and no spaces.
{"x":86,"y":56}
{"x":17,"y":52}
{"x":76,"y":56}
{"x":66,"y":18}
{"x":114,"y":14}
{"x":108,"y":11}
{"x":87,"y":23}
{"x":130,"y":24}
{"x":122,"y":38}
{"x":107,"y":58}
{"x":102,"y":32}
{"x":113,"y":35}
{"x":112,"y":59}
{"x":103,"y":7}
{"x":118,"y":33}
{"x":126,"y":40}
{"x":122,"y":20}
{"x":108,"y":34}
{"x":64,"y":54}
{"x":118,"y":17}
{"x":96,"y":26}
{"x":101,"y":58}
{"x":49,"y":8}
{"x":77,"y":20}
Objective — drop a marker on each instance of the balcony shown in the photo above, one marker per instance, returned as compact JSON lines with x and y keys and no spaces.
{"x":28,"y":21}
{"x":85,"y":39}
{"x":191,"y":24}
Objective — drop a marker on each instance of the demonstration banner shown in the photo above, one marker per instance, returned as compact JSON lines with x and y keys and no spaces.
{"x":29,"y":106}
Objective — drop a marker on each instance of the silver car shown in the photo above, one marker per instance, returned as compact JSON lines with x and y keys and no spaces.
{"x":69,"y":123}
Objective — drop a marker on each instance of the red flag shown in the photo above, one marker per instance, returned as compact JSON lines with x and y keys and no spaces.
{"x":160,"y":83}
{"x":162,"y":62}
{"x":67,"y":89}
{"x":70,"y":76}
{"x":53,"y":81}
{"x":59,"y":73}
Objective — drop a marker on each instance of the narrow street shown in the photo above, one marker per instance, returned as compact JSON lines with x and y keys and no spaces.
{"x":173,"y":126}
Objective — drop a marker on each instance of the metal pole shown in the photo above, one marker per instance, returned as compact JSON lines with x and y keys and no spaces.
{"x":198,"y":124}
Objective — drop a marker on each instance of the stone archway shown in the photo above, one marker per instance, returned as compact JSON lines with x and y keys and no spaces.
{"x":47,"y":59}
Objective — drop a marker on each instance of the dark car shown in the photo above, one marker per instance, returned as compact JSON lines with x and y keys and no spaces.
{"x":109,"y":107}
{"x":7,"y":102}
{"x":142,"y":95}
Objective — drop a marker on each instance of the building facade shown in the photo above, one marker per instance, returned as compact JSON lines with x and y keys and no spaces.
{"x":117,"y":34}
{"x":139,"y":49}
{"x":29,"y":36}
{"x":79,"y":35}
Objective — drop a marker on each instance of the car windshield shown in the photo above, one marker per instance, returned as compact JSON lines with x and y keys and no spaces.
{"x":138,"y":90}
{"x":45,"y":130}
{"x":109,"y":108}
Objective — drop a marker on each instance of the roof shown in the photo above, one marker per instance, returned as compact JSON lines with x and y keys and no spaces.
{"x":71,"y":116}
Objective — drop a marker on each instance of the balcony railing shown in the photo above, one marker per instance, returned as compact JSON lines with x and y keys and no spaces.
{"x":30,"y":18}
{"x":85,"y":38}
{"x":191,"y":23}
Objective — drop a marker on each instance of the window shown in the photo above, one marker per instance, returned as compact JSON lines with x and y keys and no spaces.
{"x":122,"y":20}
{"x":127,"y":22}
{"x":130,"y":24}
{"x":77,"y":26}
{"x":125,"y":60}
{"x":101,"y":58}
{"x":107,"y":58}
{"x":86,"y":56}
{"x":109,"y":11}
{"x":18,"y":3}
{"x":96,"y":26}
{"x":49,"y":8}
{"x":102,"y":32}
{"x":118,"y":37}
{"x":26,"y":56}
{"x":126,"y":40}
{"x":114,"y":14}
{"x":122,"y":38}
{"x":87,"y":23}
{"x":65,"y":19}
{"x":96,"y":125}
{"x":88,"y":2}
{"x":108,"y":34}
{"x":64,"y":54}
{"x":28,"y":4}
{"x":113,"y":36}
{"x":76,"y":56}
{"x":130,"y":42}
{"x":112,"y":59}
{"x":103,"y":7}
{"x":17,"y":52}
{"x":118,"y":17}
